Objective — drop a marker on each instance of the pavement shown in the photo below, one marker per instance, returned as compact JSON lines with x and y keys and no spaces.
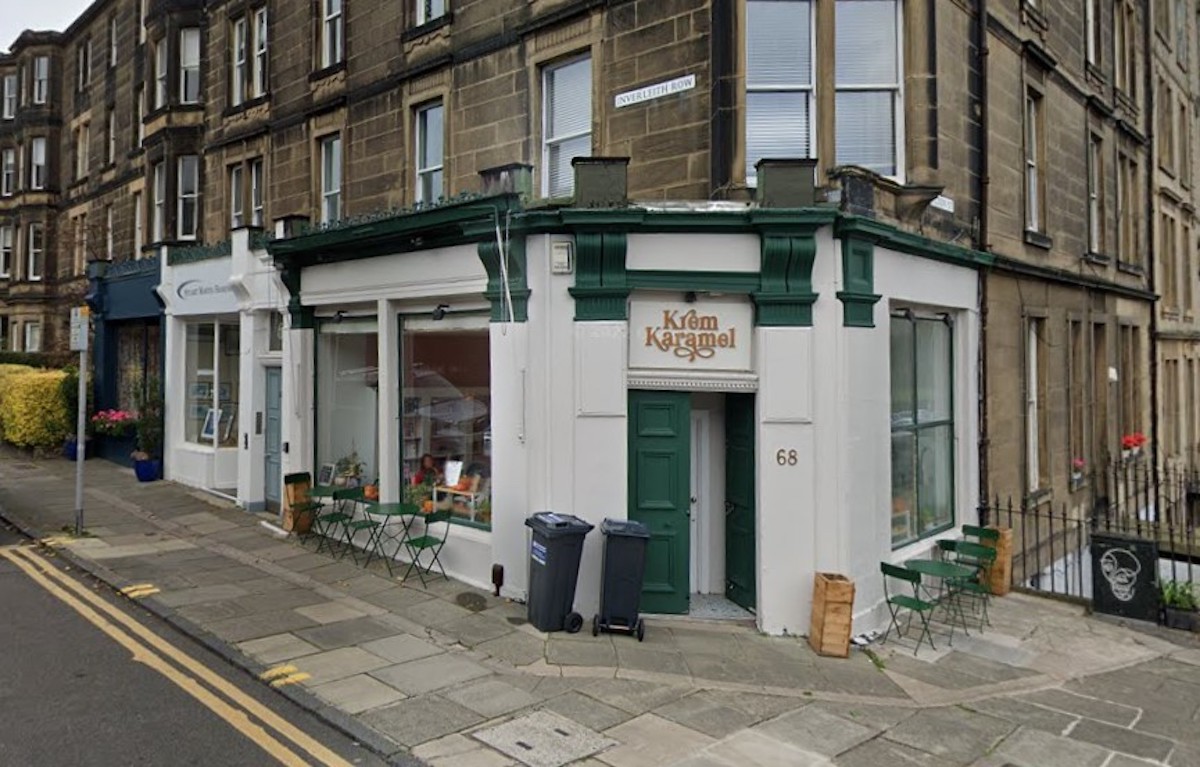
{"x":452,"y":675}
{"x":73,"y":693}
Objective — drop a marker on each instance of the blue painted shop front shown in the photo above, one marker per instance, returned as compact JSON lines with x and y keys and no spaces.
{"x":127,"y":351}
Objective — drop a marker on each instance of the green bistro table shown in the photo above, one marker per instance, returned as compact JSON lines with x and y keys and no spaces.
{"x":949,"y":575}
{"x":386,"y":534}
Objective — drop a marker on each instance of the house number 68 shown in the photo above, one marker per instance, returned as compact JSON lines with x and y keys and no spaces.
{"x":785,"y":457}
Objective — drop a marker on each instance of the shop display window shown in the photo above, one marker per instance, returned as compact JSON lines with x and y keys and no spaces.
{"x":212,"y":377}
{"x":348,"y":401}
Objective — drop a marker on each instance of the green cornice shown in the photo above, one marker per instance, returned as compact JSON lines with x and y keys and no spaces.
{"x":858,"y":276}
{"x":717,"y":282}
{"x":303,"y":317}
{"x":193,"y":253}
{"x":785,"y":295}
{"x":601,"y":289}
{"x":518,"y":281}
{"x":906,"y":242}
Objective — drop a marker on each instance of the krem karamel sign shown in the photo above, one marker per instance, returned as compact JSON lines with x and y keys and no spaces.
{"x":710,"y":334}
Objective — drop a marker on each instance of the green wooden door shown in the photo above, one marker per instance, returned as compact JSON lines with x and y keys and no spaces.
{"x":740,"y":583}
{"x":659,"y":493}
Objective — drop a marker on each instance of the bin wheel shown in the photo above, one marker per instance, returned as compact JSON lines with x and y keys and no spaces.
{"x":641,"y":629}
{"x":595,"y":625}
{"x":574,"y":623}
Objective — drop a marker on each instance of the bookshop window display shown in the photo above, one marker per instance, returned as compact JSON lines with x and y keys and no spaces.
{"x":922,"y":426}
{"x":348,"y":401}
{"x":447,"y":436}
{"x":211,"y":383}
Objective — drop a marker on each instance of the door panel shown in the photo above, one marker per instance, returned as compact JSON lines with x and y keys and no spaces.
{"x":274,"y":391}
{"x":740,"y":570}
{"x":659,"y":493}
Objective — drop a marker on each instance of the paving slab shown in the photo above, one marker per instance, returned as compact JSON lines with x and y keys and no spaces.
{"x":279,"y":600}
{"x":262,"y":624}
{"x":630,"y":656}
{"x":491,"y":698}
{"x":1084,"y":705}
{"x":589,"y":651}
{"x":751,"y":748}
{"x":812,"y":729}
{"x":434,"y":612}
{"x":633,"y":696}
{"x":347,"y":633}
{"x":516,"y":648}
{"x":428,"y":674}
{"x":401,"y":648}
{"x":358,"y":693}
{"x":705,"y":712}
{"x":649,"y":741}
{"x":1123,"y":740}
{"x":1023,"y":712}
{"x":952,"y":732}
{"x":419,"y":720}
{"x":587,"y":711}
{"x":200,"y":594}
{"x":475,"y":629}
{"x":459,"y":751}
{"x":278,"y":647}
{"x":338,"y":664}
{"x":396,"y":598}
{"x":878,"y":718}
{"x":330,"y":612}
{"x":880,"y":752}
{"x":1035,"y":748}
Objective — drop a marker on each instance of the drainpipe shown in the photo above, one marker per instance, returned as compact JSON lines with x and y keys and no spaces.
{"x":980,"y":141}
{"x":1152,"y":267}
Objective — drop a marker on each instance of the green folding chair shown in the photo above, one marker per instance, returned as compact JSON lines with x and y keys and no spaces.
{"x":430,"y":541}
{"x":981,"y":558}
{"x":913,"y":604}
{"x":330,"y":527}
{"x":981,"y":534}
{"x":366,"y":522}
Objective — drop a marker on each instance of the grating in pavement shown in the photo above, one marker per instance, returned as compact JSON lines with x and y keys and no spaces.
{"x":473,"y":602}
{"x":544,"y":739}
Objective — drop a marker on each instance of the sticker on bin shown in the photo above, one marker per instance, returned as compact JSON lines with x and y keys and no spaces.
{"x":537,"y":552}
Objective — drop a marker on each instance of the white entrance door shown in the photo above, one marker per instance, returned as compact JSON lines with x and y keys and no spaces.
{"x":700,"y":516}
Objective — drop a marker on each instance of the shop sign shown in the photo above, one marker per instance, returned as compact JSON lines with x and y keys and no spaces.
{"x":709,"y":334}
{"x":203,"y":288}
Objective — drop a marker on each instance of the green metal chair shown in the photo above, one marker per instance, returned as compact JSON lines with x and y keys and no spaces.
{"x":981,"y":534}
{"x":979,"y":557}
{"x":429,"y":541}
{"x":912,"y":603}
{"x":354,"y":526}
{"x":330,"y":527}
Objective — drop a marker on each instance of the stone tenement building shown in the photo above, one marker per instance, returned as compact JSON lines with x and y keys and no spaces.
{"x":1055,"y":135}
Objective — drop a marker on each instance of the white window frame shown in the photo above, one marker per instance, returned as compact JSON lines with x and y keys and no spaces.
{"x":238,"y":63}
{"x":189,"y":70}
{"x":1092,"y":45}
{"x":237,"y":202}
{"x":187,"y":199}
{"x":112,"y":42}
{"x":428,"y":10}
{"x":896,"y":88}
{"x":83,"y":62}
{"x":109,"y":243}
{"x":1033,"y":325}
{"x":332,"y":160}
{"x":422,"y":138}
{"x":33,"y":265}
{"x":41,"y":79}
{"x":37,"y":163}
{"x":549,"y":141}
{"x":158,"y":214}
{"x":139,"y":114}
{"x":8,"y":240}
{"x":33,"y":336}
{"x":807,"y":88}
{"x":81,"y":243}
{"x":332,"y":33}
{"x":138,"y":227}
{"x":258,"y":66}
{"x":1033,"y":169}
{"x":10,"y":97}
{"x":161,"y":59}
{"x":83,"y":140}
{"x":8,"y":172}
{"x":142,"y":20}
{"x":257,"y":180}
{"x":1095,"y":180}
{"x":111,"y":128}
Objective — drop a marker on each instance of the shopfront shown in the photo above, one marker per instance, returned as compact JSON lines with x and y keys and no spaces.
{"x":127,"y":350}
{"x":771,"y":398}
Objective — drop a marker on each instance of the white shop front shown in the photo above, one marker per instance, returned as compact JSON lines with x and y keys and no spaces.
{"x":765,"y":429}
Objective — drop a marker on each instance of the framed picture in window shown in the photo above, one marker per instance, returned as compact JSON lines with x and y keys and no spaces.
{"x":325,"y":475}
{"x":211,"y":419}
{"x":228,"y":419}
{"x":199,"y":390}
{"x":224,"y":392}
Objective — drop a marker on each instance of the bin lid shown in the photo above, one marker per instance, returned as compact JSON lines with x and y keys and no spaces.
{"x":624,"y":527}
{"x":552,"y":523}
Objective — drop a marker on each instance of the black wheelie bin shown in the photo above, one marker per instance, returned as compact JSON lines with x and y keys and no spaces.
{"x":554,"y":551}
{"x":621,"y":582}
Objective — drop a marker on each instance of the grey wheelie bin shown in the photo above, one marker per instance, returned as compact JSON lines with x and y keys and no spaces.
{"x":621,"y":583}
{"x":554,"y":551}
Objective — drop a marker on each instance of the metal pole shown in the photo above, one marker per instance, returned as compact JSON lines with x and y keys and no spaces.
{"x":80,"y":442}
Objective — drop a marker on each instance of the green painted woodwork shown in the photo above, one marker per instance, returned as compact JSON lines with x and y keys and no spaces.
{"x":660,"y":493}
{"x":720,"y":282}
{"x":785,"y":297}
{"x":741,"y":585}
{"x":858,"y":277}
{"x":518,"y":282}
{"x":890,"y":237}
{"x":303,"y":317}
{"x":601,"y":290}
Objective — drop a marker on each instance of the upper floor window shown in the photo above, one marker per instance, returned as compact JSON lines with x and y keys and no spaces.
{"x":160,"y":74}
{"x":237,"y":210}
{"x":256,"y":191}
{"x":8,"y":172}
{"x":331,"y":32}
{"x":566,"y":123}
{"x":238,"y":64}
{"x":188,"y":181}
{"x":41,"y":79}
{"x":36,"y":252}
{"x":7,"y":233}
{"x":110,"y":137}
{"x":139,"y":115}
{"x":1125,"y":47}
{"x":141,"y":20}
{"x":1035,"y":182}
{"x":158,"y":213}
{"x":138,"y":234}
{"x":37,"y":163}
{"x":33,"y":336}
{"x":331,"y":178}
{"x":1095,"y":170}
{"x":258,"y":67}
{"x":867,"y":54}
{"x":428,"y":10}
{"x":430,"y":133}
{"x":10,"y":97}
{"x":82,"y":142}
{"x":1092,"y":22}
{"x":779,"y":81}
{"x":83,"y":60}
{"x":1128,"y":207}
{"x":189,"y":65}
{"x":112,"y":42}
{"x":109,"y":243}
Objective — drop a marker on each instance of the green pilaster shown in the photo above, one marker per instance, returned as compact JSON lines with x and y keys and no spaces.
{"x":785,"y":296}
{"x":518,"y":278}
{"x":302,"y":316}
{"x":601,"y":289}
{"x":858,"y":277}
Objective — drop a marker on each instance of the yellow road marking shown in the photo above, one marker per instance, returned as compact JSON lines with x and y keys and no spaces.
{"x":264,"y":714}
{"x":139,"y":593}
{"x":271,"y":673}
{"x":136,"y":587}
{"x":236,"y":718}
{"x":290,"y":679}
{"x":53,"y":541}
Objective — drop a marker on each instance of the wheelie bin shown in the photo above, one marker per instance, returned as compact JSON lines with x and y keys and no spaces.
{"x":554,"y":551}
{"x":624,"y":567}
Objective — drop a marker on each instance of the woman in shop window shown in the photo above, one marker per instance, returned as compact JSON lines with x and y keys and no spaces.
{"x":428,"y":474}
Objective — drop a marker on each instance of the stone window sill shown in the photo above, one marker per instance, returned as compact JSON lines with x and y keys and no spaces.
{"x":328,"y":71}
{"x":1038,"y":239}
{"x":430,"y":26}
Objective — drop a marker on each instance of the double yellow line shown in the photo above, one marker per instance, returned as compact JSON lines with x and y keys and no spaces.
{"x":237,"y":708}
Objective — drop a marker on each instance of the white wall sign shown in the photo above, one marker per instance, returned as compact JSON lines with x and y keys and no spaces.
{"x":202,"y":288}
{"x":707,"y":334}
{"x":656,"y":91}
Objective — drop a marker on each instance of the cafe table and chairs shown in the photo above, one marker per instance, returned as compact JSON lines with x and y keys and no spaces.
{"x":949,"y":576}
{"x":392,"y":531}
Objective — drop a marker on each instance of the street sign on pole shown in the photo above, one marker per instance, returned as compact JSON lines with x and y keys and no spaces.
{"x":80,"y":317}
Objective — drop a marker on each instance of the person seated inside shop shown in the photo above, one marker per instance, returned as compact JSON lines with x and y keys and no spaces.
{"x":429,"y":473}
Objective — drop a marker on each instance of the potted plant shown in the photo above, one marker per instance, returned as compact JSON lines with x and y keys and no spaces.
{"x":420,"y":494}
{"x":147,"y":459}
{"x":1131,"y":445}
{"x":348,"y":471}
{"x":1179,"y":604}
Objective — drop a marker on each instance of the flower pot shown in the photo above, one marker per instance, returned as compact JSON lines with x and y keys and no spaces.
{"x":1175,"y":618}
{"x":147,"y":471}
{"x":71,"y":450}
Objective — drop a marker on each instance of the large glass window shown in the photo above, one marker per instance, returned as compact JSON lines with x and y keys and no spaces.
{"x":779,"y":81}
{"x":566,"y":123}
{"x":447,"y":437}
{"x":868,"y":84}
{"x":211,"y":383}
{"x":189,"y":66}
{"x":348,"y":400}
{"x":10,"y":97}
{"x":41,"y":79}
{"x":922,"y":426}
{"x":331,"y":178}
{"x":189,"y":194}
{"x":331,"y":32}
{"x":429,"y":153}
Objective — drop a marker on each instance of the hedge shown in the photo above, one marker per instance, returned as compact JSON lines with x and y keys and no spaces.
{"x":5,"y":371}
{"x":37,"y":359}
{"x":33,"y":412}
